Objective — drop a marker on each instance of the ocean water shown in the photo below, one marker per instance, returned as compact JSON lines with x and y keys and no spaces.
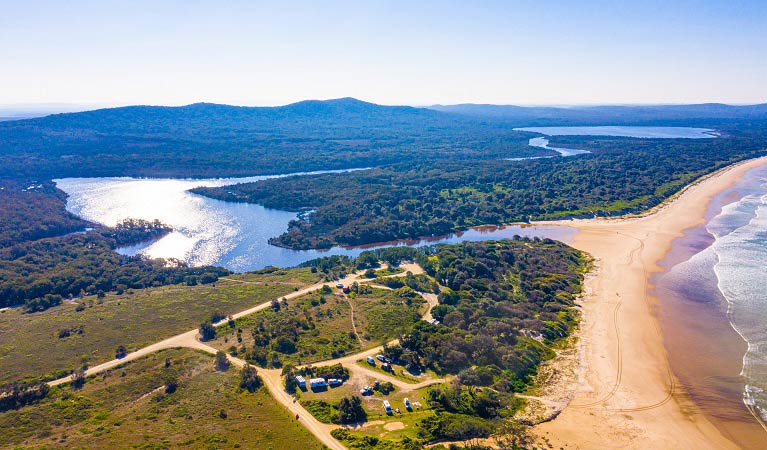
{"x":733,"y":268}
{"x":231,"y":235}
{"x":740,"y":245}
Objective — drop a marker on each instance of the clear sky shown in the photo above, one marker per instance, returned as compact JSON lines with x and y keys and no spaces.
{"x":390,"y":52}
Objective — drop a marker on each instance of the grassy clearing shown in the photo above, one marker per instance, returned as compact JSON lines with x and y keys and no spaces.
{"x":128,"y":408}
{"x":399,"y":372}
{"x":383,"y":315}
{"x":317,"y":327}
{"x":379,"y":424}
{"x":389,"y":271}
{"x":30,"y":345}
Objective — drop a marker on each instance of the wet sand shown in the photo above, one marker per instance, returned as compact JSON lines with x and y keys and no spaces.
{"x":705,"y":352}
{"x":627,"y":395}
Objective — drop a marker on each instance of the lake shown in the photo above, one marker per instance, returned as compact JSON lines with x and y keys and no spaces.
{"x":232,"y":235}
{"x":235,"y":235}
{"x":626,"y":131}
{"x":614,"y":131}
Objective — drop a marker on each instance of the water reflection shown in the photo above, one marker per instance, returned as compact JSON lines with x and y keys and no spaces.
{"x":232,"y":235}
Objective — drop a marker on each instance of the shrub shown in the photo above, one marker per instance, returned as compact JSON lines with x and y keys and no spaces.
{"x":222,"y":363}
{"x":77,"y":379}
{"x":16,"y":395}
{"x":351,"y":411}
{"x":207,"y":331}
{"x":249,"y":379}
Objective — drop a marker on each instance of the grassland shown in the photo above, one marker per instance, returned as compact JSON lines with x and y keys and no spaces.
{"x":319,"y":326}
{"x":399,"y":372}
{"x":30,"y":345}
{"x":128,"y":407}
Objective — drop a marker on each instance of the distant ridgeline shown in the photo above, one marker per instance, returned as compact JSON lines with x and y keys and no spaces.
{"x":47,"y":254}
{"x":204,"y":140}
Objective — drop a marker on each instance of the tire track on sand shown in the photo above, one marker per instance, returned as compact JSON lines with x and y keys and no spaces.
{"x":619,"y":373}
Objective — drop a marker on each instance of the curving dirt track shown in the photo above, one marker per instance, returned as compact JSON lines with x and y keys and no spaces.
{"x":272,"y":377}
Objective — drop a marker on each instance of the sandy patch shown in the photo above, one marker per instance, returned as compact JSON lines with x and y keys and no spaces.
{"x":392,"y":426}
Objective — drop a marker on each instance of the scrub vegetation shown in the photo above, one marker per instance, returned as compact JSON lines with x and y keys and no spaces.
{"x":318,"y":326}
{"x":170,"y":399}
{"x":88,"y":331}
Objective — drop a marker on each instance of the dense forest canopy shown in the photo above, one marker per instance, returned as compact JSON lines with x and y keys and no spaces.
{"x":697,"y":115}
{"x":218,"y":140}
{"x":205,"y":140}
{"x":34,"y":210}
{"x":420,"y":199}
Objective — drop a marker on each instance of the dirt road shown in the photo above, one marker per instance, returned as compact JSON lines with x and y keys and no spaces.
{"x":272,"y":377}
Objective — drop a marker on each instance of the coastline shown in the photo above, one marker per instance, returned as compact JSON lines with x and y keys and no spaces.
{"x":626,"y":395}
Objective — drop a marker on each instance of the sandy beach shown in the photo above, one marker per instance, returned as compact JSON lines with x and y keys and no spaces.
{"x":626,"y":395}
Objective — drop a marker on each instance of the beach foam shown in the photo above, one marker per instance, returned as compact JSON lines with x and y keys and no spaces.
{"x":738,"y":257}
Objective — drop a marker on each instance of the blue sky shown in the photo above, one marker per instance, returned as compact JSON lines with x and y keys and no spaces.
{"x":391,"y":52}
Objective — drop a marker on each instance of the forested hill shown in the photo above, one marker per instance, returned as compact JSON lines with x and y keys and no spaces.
{"x":202,"y":139}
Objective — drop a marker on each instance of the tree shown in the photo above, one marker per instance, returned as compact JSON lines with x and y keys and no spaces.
{"x":222,"y":362}
{"x":291,"y":385}
{"x":393,"y":352}
{"x":78,"y":378}
{"x":385,"y":388}
{"x":351,"y":410}
{"x":207,"y":331}
{"x":170,"y":380}
{"x":249,"y":378}
{"x":121,"y":352}
{"x":285,"y":345}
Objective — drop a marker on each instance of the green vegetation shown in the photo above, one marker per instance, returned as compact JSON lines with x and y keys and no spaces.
{"x":413,"y":200}
{"x":16,"y":395}
{"x":322,"y":411}
{"x":366,"y":442}
{"x":131,"y":407}
{"x":219,"y":140}
{"x":507,"y":302}
{"x":89,"y":331}
{"x":40,"y":264}
{"x":504,"y":306}
{"x":249,"y":378}
{"x":349,"y":410}
{"x":34,"y":210}
{"x":318,"y":326}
